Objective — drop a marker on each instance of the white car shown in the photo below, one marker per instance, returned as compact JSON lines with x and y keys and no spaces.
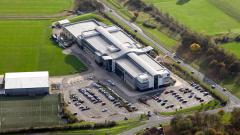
{"x":104,"y":110}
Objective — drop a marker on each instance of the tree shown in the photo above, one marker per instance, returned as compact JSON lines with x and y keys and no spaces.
{"x":184,"y":124}
{"x":88,"y":5}
{"x":213,"y":63}
{"x":234,"y":67}
{"x":199,"y":133}
{"x":235,"y":120}
{"x":211,"y":131}
{"x":195,"y":47}
{"x":136,"y":5}
{"x":136,"y":14}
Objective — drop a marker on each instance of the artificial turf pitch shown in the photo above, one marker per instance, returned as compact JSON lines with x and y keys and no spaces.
{"x":25,"y":112}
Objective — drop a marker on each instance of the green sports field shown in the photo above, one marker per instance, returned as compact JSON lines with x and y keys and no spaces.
{"x":203,"y":16}
{"x":33,"y":7}
{"x":21,"y":112}
{"x":233,"y":47}
{"x":25,"y":46}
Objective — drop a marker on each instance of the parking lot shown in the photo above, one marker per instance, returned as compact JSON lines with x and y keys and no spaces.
{"x":176,"y":98}
{"x":89,"y":101}
{"x":179,"y":96}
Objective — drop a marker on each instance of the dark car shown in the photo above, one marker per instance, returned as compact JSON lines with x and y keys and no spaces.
{"x":163,"y":104}
{"x":184,"y":102}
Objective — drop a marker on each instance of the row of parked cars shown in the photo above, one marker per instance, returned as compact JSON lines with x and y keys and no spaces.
{"x":90,"y":95}
{"x":177,"y":96}
{"x":112,"y":96}
{"x":199,"y":88}
{"x":78,"y":102}
{"x":161,"y":101}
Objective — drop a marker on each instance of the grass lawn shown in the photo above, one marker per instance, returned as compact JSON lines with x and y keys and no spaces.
{"x":21,"y":112}
{"x":90,"y":16}
{"x":231,"y":86}
{"x":230,"y":7}
{"x":33,"y":7}
{"x":168,"y":42}
{"x":121,"y":126}
{"x":200,"y":15}
{"x":25,"y":46}
{"x":233,"y":47}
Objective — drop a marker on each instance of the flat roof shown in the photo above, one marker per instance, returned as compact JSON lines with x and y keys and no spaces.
{"x":63,"y":21}
{"x":18,"y":80}
{"x":120,"y":46}
{"x":156,"y":66}
{"x":130,"y":67}
{"x":77,"y":28}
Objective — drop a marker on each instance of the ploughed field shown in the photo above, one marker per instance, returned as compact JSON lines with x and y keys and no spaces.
{"x":206,"y":16}
{"x":23,"y":112}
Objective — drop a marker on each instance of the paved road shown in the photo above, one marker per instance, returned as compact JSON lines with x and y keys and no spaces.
{"x":233,"y":100}
{"x":153,"y":121}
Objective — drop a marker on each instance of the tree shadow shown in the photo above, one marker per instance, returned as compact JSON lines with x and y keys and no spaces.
{"x":182,"y":2}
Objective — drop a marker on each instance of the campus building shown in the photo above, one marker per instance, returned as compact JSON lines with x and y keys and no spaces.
{"x":26,"y":83}
{"x":118,"y":52}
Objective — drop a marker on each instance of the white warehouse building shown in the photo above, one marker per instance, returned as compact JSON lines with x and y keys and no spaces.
{"x":26,"y":83}
{"x":118,"y":52}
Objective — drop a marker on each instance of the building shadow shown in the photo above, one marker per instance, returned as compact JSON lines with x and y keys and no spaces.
{"x":75,"y":63}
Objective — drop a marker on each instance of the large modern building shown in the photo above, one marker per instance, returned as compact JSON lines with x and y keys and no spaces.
{"x":26,"y":83}
{"x":117,"y":52}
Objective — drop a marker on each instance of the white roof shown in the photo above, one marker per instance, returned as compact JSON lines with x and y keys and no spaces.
{"x":78,"y":28}
{"x":20,"y":80}
{"x":63,"y":21}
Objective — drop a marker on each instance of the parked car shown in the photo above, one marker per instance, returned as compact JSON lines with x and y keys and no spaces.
{"x":104,"y":110}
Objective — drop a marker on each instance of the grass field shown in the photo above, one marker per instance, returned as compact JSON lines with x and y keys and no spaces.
{"x":33,"y":7}
{"x":121,"y":126}
{"x":21,"y":112}
{"x":233,"y":47}
{"x":90,"y":16}
{"x":230,"y":7}
{"x":25,"y":46}
{"x":168,"y":42}
{"x":201,"y":15}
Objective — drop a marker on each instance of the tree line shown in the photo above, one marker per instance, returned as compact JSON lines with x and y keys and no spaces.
{"x":220,"y":64}
{"x":88,"y":5}
{"x":207,"y":124}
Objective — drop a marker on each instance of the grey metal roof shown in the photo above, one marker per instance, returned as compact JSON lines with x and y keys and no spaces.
{"x":156,"y":66}
{"x":142,"y":63}
{"x":114,"y":42}
{"x":130,"y":67}
{"x":77,"y":28}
